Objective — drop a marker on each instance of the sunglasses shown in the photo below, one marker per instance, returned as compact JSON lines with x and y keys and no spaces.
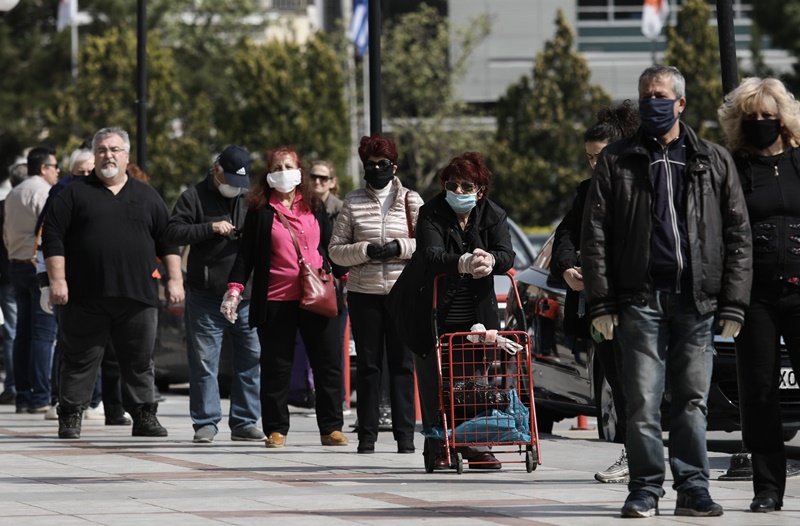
{"x":382,"y":164}
{"x":467,"y":187}
{"x":322,"y":178}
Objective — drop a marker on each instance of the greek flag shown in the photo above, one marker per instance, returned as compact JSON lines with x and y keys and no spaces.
{"x":359,"y":26}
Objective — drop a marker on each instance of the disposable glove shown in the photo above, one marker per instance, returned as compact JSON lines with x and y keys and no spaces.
{"x":230,"y":305}
{"x":605,"y":325}
{"x":44,"y":300}
{"x":485,"y":263}
{"x":730,"y":328}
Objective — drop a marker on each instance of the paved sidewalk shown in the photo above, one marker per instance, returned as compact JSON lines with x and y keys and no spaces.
{"x":108,"y":477}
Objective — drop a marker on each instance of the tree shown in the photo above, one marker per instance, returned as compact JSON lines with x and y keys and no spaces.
{"x":780,"y":19}
{"x":537,"y":157}
{"x":422,"y":109}
{"x":693,"y":48}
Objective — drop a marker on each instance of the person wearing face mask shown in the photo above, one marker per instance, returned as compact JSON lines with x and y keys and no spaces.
{"x":761,"y":121}
{"x":464,"y":235}
{"x":666,"y":252}
{"x":207,"y":219}
{"x":283,"y":206}
{"x":374,"y":236}
{"x":612,"y":124}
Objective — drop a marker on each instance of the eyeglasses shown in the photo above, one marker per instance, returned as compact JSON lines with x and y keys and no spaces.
{"x":321,"y":178}
{"x":467,"y":187}
{"x":52,"y":166}
{"x":382,"y":164}
{"x":112,"y":151}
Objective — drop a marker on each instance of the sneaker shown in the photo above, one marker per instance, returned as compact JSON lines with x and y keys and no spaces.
{"x":640,"y":503}
{"x":52,"y":413}
{"x":204,"y":435}
{"x":248,"y":434}
{"x":346,"y":411}
{"x":696,"y":502}
{"x":616,"y":472}
{"x":95,"y":413}
{"x":8,"y":398}
{"x":69,"y":425}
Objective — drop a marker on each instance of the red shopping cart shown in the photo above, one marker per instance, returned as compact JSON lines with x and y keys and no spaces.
{"x":485,"y":395}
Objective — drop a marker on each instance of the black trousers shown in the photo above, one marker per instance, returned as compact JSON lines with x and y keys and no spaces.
{"x":84,"y":330}
{"x":321,"y":337}
{"x":375,"y":333}
{"x":774,"y":312}
{"x":611,"y":363}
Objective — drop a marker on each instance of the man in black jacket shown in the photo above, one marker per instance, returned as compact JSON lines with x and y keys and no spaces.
{"x":666,"y":247}
{"x":208,"y":217}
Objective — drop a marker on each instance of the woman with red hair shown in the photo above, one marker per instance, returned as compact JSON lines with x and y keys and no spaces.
{"x":268,"y":252}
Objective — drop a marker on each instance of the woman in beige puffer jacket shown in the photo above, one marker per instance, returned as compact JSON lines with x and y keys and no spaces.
{"x":373,"y":235}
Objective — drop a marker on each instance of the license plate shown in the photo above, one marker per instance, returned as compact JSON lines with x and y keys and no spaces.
{"x":788,"y":379}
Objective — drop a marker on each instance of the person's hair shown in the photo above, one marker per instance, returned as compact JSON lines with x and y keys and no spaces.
{"x":331,"y":170}
{"x":468,"y":166}
{"x":106,"y":132}
{"x":614,"y":123}
{"x":79,"y":155}
{"x":376,"y":145}
{"x":17,"y":172}
{"x":259,"y":194}
{"x":137,"y":173}
{"x":747,"y":97}
{"x":37,"y":157}
{"x":659,"y":70}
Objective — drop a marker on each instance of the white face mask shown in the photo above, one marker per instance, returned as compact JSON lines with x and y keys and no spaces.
{"x":284,"y":181}
{"x":228,"y":191}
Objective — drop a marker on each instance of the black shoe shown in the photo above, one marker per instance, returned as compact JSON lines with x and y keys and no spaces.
{"x":696,"y":502}
{"x":405,"y":445}
{"x":145,"y":423}
{"x":366,"y":446}
{"x":118,"y":420}
{"x":764,"y":505}
{"x":69,"y":424}
{"x":8,"y":398}
{"x":640,"y":503}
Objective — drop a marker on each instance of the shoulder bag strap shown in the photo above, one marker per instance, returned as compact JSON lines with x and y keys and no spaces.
{"x":294,"y":239}
{"x":408,"y":218}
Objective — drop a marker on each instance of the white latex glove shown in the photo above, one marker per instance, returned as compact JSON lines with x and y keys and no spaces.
{"x":484,"y":263}
{"x":466,"y":262}
{"x":230,"y":305}
{"x":730,"y":328}
{"x":605,"y":325}
{"x":44,"y":300}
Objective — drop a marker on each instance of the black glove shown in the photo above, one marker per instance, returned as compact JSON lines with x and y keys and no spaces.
{"x":391,"y":249}
{"x":374,"y":251}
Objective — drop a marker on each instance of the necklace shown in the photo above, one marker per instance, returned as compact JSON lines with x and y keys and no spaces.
{"x":778,"y":161}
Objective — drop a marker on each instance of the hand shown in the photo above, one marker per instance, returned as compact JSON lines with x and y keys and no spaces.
{"x":59,"y":292}
{"x":391,"y":249}
{"x":484,"y":263}
{"x":374,"y":251}
{"x":730,"y":328}
{"x":223,"y":228}
{"x":574,"y":278}
{"x":230,"y":305}
{"x":605,"y":325}
{"x":44,"y":300}
{"x":175,"y":293}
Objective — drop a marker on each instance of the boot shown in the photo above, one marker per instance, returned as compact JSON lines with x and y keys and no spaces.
{"x":69,"y":422}
{"x":145,"y":423}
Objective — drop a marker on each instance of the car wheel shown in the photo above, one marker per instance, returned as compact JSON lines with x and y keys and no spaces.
{"x":544,"y":421}
{"x":606,"y":412}
{"x":789,"y":434}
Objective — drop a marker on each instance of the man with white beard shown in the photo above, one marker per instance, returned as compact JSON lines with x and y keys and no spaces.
{"x":101,"y":239}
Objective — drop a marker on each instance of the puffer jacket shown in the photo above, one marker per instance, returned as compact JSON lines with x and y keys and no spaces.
{"x":618,"y":223}
{"x":360,"y":223}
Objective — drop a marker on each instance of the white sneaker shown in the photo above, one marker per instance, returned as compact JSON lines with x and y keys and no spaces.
{"x":616,"y":472}
{"x":95,"y":413}
{"x":52,"y":413}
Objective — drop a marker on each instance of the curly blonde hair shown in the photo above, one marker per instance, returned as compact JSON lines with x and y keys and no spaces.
{"x":749,"y":96}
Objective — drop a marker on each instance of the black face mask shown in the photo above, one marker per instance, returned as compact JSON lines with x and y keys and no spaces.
{"x":378,"y":178}
{"x":761,"y":134}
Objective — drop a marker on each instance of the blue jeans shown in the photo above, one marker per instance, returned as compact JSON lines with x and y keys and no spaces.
{"x":666,"y":340}
{"x":35,"y":339}
{"x":205,"y":326}
{"x":9,"y":307}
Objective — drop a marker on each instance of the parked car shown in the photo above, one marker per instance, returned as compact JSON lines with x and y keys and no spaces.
{"x":525,"y":254}
{"x":569,"y":382}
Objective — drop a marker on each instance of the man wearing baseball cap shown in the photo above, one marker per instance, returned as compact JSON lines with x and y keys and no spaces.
{"x":207,"y":219}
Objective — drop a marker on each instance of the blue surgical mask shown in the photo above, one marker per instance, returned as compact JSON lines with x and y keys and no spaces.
{"x":657,"y":115}
{"x":461,"y":203}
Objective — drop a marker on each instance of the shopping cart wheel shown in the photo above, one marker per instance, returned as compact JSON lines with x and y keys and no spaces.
{"x":429,"y":454}
{"x":530,"y":459}
{"x":459,"y":463}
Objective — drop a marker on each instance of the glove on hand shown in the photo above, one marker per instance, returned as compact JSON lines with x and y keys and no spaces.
{"x":730,"y":328}
{"x":44,"y":300}
{"x":605,"y":325}
{"x":484,"y":263}
{"x":230,"y":305}
{"x":389,"y":250}
{"x":374,"y":251}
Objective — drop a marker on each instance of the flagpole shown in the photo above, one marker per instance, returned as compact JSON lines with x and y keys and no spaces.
{"x":73,"y":56}
{"x":352,"y":99}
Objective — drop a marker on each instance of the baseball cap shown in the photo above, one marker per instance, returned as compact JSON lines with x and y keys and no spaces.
{"x":235,"y":163}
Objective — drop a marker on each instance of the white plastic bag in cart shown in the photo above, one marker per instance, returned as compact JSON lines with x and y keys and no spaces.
{"x":491,"y":336}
